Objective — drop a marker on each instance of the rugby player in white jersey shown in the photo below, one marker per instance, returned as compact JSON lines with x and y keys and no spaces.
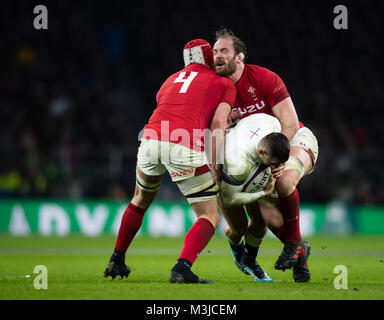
{"x":252,"y":146}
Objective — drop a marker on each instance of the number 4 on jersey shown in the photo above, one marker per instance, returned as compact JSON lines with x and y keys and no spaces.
{"x":186,"y":81}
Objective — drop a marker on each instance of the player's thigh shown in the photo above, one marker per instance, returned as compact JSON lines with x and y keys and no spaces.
{"x":304,"y":146}
{"x":146,"y":188}
{"x":153,"y":179}
{"x":149,"y":173}
{"x":200,"y":189}
{"x":271,"y":215}
{"x":304,"y":157}
{"x":149,"y":167}
{"x":190,"y":171}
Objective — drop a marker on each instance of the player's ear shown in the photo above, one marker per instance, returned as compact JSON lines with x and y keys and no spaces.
{"x":262,"y":151}
{"x":263,"y":148}
{"x":261,"y":145}
{"x":241,"y":56}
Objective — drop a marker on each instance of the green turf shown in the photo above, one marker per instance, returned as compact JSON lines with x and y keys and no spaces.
{"x":76,"y":264}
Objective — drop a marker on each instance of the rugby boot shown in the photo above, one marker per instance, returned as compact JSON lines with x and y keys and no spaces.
{"x":253,"y":268}
{"x":237,"y":253}
{"x":181,"y":273}
{"x":116,"y":266}
{"x":300,"y":270}
{"x":289,"y":256}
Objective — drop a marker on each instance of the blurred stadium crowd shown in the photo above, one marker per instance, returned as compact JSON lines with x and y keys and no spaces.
{"x":74,"y":97}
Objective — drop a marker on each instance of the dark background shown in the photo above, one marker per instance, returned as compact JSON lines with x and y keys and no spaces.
{"x":74,"y":97}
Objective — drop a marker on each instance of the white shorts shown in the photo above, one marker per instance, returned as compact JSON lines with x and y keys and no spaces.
{"x":187,"y":167}
{"x":155,"y":157}
{"x":305,"y":139}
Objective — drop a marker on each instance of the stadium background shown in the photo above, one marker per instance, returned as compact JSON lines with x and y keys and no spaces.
{"x":74,"y":97}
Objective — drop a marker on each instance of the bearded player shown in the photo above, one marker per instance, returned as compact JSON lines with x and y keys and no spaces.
{"x":189,"y":101}
{"x":259,"y":90}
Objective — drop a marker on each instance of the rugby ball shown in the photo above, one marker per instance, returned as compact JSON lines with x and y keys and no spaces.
{"x":257,"y":179}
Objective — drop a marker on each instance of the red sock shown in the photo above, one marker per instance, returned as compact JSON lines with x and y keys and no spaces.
{"x":197,"y":239}
{"x":279,"y":233}
{"x":130,"y":224}
{"x":289,"y":207}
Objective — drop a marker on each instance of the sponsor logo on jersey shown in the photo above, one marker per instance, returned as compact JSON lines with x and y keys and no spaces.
{"x":252,"y":108}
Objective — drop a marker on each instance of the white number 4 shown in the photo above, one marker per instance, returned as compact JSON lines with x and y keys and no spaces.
{"x":186,"y":82}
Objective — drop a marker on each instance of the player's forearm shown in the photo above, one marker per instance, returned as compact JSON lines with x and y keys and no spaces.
{"x":241,"y":198}
{"x":289,"y":130}
{"x":217,"y":149}
{"x":286,"y":113}
{"x":218,"y":130}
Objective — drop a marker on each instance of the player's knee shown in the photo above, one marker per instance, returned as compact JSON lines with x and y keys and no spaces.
{"x":227,"y":231}
{"x":257,"y":227}
{"x":215,"y":219}
{"x":240,"y":231}
{"x":234,"y":235}
{"x":142,"y":199}
{"x":212,"y":217}
{"x":229,"y":234}
{"x":258,"y":231}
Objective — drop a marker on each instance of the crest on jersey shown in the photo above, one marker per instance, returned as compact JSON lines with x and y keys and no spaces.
{"x":251,"y":91}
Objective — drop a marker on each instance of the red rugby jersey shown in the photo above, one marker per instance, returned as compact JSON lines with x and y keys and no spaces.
{"x":259,"y":90}
{"x":186,"y":102}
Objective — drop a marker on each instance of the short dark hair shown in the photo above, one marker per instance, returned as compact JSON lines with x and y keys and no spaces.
{"x":238,"y":45}
{"x":278,"y":145}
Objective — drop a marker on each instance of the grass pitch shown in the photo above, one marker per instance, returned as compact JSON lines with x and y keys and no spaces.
{"x":76,"y":264}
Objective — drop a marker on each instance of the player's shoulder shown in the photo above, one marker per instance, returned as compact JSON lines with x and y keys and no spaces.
{"x":216,"y":80}
{"x":195,"y":67}
{"x":259,"y":71}
{"x":200,"y":69}
{"x":225,"y":81}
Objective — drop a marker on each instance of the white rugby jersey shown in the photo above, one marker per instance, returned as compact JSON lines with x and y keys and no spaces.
{"x":240,"y":146}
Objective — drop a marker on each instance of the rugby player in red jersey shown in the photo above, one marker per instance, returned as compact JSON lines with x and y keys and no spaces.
{"x":260,"y":90}
{"x":190,"y":101}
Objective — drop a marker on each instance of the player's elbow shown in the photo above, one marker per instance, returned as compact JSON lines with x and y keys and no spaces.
{"x":219,"y":120}
{"x":292,"y":124}
{"x":219,"y":123}
{"x":290,"y":129}
{"x":295,"y":126}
